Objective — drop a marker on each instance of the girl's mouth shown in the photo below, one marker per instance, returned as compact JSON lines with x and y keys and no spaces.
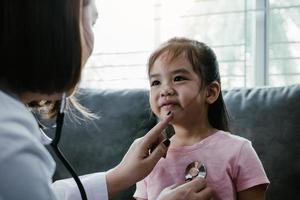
{"x":168,"y":106}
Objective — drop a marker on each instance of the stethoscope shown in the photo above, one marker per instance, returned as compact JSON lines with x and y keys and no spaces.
{"x":54,"y":144}
{"x":195,"y":168}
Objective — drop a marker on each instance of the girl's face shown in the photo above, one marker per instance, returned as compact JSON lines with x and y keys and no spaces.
{"x":176,"y":87}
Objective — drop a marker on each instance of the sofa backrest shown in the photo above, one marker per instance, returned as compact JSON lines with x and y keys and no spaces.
{"x":269,"y":117}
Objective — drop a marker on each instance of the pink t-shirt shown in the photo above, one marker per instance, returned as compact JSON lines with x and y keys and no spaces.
{"x":231,"y":162}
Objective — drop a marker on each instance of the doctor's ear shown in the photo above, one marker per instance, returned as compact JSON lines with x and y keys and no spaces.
{"x":212,"y":92}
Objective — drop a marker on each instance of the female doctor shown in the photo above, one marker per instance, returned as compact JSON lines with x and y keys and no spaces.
{"x":44,"y":45}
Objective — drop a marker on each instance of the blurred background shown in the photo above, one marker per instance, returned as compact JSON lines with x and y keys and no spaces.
{"x":257,"y":42}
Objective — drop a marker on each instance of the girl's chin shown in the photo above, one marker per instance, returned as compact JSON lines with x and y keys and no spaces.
{"x":164,"y":114}
{"x":164,"y":111}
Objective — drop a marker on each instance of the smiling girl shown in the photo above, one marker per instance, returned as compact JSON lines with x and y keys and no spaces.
{"x":184,"y":79}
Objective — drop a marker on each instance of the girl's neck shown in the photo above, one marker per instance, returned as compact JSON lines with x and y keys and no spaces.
{"x":187,"y":136}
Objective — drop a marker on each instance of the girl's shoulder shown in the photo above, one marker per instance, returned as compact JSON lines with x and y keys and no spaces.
{"x":224,"y":135}
{"x":229,"y":140}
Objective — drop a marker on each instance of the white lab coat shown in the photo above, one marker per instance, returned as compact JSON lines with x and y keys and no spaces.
{"x":26,"y":167}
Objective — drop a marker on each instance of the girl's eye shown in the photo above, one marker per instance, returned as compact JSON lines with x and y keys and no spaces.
{"x":179,"y":78}
{"x":154,"y":83}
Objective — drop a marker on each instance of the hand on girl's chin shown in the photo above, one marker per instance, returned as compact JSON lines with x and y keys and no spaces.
{"x":165,"y":113}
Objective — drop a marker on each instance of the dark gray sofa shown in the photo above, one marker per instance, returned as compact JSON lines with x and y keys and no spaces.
{"x":269,"y":117}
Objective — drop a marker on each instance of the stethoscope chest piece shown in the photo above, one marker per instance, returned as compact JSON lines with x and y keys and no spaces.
{"x":195,"y":169}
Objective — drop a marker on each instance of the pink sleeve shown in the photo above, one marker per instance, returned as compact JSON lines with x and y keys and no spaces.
{"x":249,"y":170}
{"x":141,"y":190}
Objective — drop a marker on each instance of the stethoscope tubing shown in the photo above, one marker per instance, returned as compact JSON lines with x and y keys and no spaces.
{"x":57,"y":151}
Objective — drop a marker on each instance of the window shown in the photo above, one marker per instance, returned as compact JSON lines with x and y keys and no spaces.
{"x":256,"y":41}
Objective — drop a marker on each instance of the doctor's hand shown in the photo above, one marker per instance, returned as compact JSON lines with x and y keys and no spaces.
{"x":138,"y":162}
{"x":193,"y":190}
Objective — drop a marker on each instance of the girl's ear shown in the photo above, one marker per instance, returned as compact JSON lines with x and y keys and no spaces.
{"x":212,"y":92}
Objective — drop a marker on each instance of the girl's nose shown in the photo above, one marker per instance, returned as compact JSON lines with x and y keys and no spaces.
{"x":167,"y":91}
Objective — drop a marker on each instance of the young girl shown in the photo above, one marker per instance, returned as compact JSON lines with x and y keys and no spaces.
{"x":184,"y":79}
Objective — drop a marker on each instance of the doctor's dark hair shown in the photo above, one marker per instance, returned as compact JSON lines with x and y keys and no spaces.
{"x":40,"y":45}
{"x":205,"y":64}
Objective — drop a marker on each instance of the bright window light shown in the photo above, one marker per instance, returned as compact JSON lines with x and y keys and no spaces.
{"x":256,"y":41}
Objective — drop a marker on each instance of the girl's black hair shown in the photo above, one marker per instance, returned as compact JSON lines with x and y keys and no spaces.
{"x":205,"y":64}
{"x":40,"y":45}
